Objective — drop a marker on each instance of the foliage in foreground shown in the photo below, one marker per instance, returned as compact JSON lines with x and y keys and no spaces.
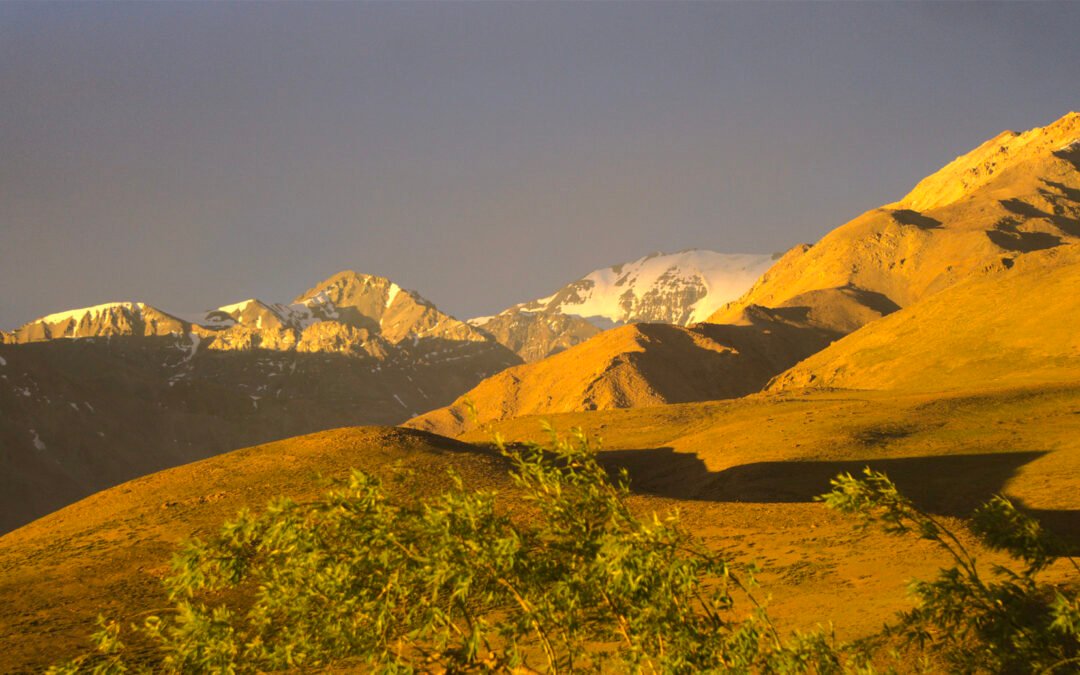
{"x":572,"y":580}
{"x":1009,"y":621}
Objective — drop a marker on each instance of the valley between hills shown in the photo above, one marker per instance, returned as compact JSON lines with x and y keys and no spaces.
{"x":934,"y":338}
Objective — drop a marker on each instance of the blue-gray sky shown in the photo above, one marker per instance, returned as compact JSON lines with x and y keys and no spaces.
{"x":190,"y":154}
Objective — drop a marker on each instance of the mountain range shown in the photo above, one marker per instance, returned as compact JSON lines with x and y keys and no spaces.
{"x":95,"y":396}
{"x":932,"y":338}
{"x":1011,"y":198}
{"x":353,"y":349}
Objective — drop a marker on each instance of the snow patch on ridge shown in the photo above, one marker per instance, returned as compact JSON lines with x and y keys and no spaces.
{"x":391,"y":294}
{"x":194,"y":347}
{"x":94,"y":311}
{"x":236,"y":306}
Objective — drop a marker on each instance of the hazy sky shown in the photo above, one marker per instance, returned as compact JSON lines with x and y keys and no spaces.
{"x":189,"y":155}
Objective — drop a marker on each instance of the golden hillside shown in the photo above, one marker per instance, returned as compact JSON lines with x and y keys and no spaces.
{"x":1005,"y":325}
{"x":640,"y":365}
{"x":1014,"y":194}
{"x":742,"y":473}
{"x":109,"y":551}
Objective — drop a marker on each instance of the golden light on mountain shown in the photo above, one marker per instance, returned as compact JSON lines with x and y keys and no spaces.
{"x":524,"y":465}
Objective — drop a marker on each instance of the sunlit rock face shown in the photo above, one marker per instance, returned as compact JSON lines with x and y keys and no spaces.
{"x":1016,"y":194}
{"x":109,"y":319}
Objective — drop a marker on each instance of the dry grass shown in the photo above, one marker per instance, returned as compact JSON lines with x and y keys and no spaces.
{"x":741,"y":472}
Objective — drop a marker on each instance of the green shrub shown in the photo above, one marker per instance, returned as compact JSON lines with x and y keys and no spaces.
{"x":573,"y":581}
{"x":569,"y":580}
{"x":1009,"y":622}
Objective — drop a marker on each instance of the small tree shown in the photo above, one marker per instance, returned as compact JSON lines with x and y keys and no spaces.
{"x":574,"y":581}
{"x":1012,"y":622}
{"x":569,"y":580}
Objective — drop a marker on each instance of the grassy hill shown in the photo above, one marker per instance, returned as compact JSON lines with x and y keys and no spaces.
{"x":109,"y":551}
{"x":742,"y":473}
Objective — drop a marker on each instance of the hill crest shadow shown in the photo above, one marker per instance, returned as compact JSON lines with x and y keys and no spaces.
{"x":952,"y":485}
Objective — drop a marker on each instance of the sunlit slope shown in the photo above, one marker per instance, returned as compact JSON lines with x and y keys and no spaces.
{"x":638,"y":365}
{"x":742,"y":472}
{"x":745,"y":472}
{"x":1014,"y":197}
{"x":1015,"y":194}
{"x":950,"y":449}
{"x":109,"y":551}
{"x":1010,"y":325}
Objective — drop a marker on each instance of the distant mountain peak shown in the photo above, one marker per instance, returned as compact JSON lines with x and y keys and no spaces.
{"x":677,"y":288}
{"x":680,"y":288}
{"x":349,"y":312}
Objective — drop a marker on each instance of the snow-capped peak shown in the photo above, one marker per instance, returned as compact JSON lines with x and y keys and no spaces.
{"x":681,"y":288}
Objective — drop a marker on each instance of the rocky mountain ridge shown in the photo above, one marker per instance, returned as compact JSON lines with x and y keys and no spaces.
{"x":1012,"y":195}
{"x":94,"y":396}
{"x":349,"y":313}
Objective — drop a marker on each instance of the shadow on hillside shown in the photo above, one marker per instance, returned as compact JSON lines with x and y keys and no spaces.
{"x":916,"y":219}
{"x":952,"y":485}
{"x":1070,"y":226}
{"x":872,"y":300}
{"x":1009,"y":237}
{"x":1070,"y":154}
{"x":708,"y":361}
{"x":1059,"y":190}
{"x":108,"y":410}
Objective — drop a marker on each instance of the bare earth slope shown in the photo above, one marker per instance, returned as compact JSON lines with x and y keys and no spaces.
{"x":1005,"y":325}
{"x":1014,"y":194}
{"x":1012,"y":197}
{"x":640,"y":365}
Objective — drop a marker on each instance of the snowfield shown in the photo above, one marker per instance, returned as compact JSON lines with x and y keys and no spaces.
{"x":684,"y":287}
